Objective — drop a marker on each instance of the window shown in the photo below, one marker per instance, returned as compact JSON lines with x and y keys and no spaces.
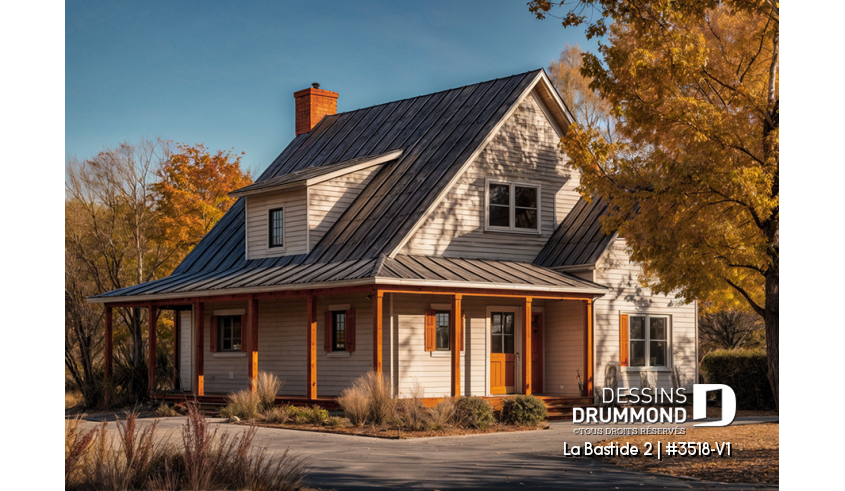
{"x":229,"y":332}
{"x":649,"y":338}
{"x":501,"y":332}
{"x":441,"y":322}
{"x":277,"y":227}
{"x":338,"y":330}
{"x":513,"y":207}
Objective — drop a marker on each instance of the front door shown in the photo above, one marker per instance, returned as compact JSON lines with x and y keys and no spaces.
{"x":502,"y":353}
{"x":537,"y":353}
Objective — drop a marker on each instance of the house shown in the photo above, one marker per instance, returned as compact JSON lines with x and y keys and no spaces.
{"x":439,"y":240}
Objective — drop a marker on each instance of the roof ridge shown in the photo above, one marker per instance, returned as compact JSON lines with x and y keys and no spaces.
{"x":439,"y":91}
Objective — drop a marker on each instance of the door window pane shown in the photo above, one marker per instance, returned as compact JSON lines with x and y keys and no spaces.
{"x":509,"y":344}
{"x":509,"y":323}
{"x":496,"y":344}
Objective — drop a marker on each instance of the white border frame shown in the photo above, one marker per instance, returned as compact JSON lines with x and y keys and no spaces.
{"x":512,"y":207}
{"x":669,"y":355}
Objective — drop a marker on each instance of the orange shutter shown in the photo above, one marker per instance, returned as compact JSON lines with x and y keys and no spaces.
{"x":214,"y":329}
{"x":623,"y":340}
{"x":350,"y":330}
{"x":244,"y":335}
{"x":327,"y":332}
{"x":430,"y":330}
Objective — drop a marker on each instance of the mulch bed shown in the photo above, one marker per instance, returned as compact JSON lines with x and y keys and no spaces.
{"x":754,"y":456}
{"x":394,"y":433}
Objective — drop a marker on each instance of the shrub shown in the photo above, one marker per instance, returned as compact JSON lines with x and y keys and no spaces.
{"x":524,"y":411}
{"x":744,"y":371}
{"x":474,"y":412}
{"x":368,"y":400}
{"x":334,"y":422}
{"x":443,"y":415}
{"x":267,"y":388}
{"x":276,"y":415}
{"x":243,"y":404}
{"x":316,"y":415}
{"x":411,"y":413}
{"x":166,"y":411}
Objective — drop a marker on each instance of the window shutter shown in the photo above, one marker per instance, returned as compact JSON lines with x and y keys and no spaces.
{"x":214,"y":328}
{"x":350,"y":330}
{"x":430,"y":330}
{"x":463,"y":328}
{"x":623,"y":340}
{"x":327,"y":332}
{"x":244,"y":334}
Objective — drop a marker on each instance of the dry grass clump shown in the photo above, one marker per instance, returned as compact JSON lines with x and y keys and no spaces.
{"x":276,"y":415}
{"x":368,"y":400}
{"x":411,"y":413}
{"x":166,"y":411}
{"x":443,"y":415}
{"x":96,"y":460}
{"x":243,"y":404}
{"x":267,"y":388}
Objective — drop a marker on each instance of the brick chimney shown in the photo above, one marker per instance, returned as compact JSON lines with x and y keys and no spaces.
{"x":311,"y":105}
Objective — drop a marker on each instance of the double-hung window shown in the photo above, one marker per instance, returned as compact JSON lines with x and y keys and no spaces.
{"x":229,"y":332}
{"x":513,"y":207}
{"x":339,"y":330}
{"x":441,"y":320}
{"x":276,"y":226}
{"x":649,"y":340}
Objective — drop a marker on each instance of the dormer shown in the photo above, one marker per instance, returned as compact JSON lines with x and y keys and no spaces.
{"x":288,"y":214}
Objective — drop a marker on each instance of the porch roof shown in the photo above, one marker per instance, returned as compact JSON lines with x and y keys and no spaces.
{"x":401,"y":270}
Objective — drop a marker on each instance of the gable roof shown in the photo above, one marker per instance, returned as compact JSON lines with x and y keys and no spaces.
{"x":578,"y":240}
{"x":314,"y":175}
{"x":438,"y":133}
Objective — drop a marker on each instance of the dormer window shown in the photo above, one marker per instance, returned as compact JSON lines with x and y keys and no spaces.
{"x":513,"y":207}
{"x":277,"y":227}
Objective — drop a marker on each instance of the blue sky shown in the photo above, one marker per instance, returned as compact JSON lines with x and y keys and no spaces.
{"x":224,"y":73}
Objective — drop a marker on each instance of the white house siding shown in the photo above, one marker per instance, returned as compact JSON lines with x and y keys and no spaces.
{"x":185,"y":349}
{"x":614,"y":269}
{"x":295,"y":224}
{"x":329,"y":199}
{"x":564,"y":347}
{"x":524,"y":149}
{"x":219,"y":367}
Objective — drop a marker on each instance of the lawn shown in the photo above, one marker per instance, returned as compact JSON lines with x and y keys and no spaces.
{"x":754,"y":457}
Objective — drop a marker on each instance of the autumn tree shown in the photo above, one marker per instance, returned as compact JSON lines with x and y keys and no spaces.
{"x":585,"y":103}
{"x":693,"y":180}
{"x":192,"y":192}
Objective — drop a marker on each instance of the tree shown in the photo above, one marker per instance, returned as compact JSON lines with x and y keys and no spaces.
{"x":192,"y":192}
{"x":586,"y":104}
{"x":692,"y":182}
{"x":728,"y":329}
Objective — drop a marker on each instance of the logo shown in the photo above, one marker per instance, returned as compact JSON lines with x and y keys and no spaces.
{"x":699,"y":403}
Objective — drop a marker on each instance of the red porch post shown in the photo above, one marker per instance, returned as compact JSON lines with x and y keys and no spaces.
{"x":151,"y":341}
{"x":253,"y":343}
{"x":526,"y":345}
{"x":311,"y":377}
{"x":456,"y":336}
{"x":588,"y":348}
{"x":199,"y":383}
{"x":108,"y":354}
{"x":378,"y":337}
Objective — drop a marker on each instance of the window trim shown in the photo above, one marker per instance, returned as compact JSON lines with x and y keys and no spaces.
{"x":647,"y":340}
{"x":220,"y":338}
{"x":270,"y":244}
{"x":448,"y":331}
{"x":512,"y":207}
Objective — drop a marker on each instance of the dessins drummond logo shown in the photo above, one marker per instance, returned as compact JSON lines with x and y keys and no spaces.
{"x":664,"y":414}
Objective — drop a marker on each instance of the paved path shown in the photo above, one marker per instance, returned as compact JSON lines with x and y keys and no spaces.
{"x":520,"y":460}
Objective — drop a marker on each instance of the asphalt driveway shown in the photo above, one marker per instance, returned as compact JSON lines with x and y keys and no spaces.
{"x":519,"y":460}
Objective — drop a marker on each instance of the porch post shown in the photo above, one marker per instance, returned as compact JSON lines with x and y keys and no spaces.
{"x":108,"y":354}
{"x":177,"y":337}
{"x":378,"y":301}
{"x":526,"y":345}
{"x":312,"y":347}
{"x":588,"y":348}
{"x":151,"y":341}
{"x":253,"y":343}
{"x":456,"y":336}
{"x":199,"y":313}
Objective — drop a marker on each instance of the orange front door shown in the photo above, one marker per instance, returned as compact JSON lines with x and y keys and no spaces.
{"x":537,"y":353}
{"x":502,"y":352}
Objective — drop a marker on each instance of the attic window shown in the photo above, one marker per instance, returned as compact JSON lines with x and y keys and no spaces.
{"x":277,"y":227}
{"x":513,"y":207}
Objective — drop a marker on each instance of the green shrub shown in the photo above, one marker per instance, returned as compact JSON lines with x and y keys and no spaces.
{"x":474,"y":412}
{"x":243,"y":404}
{"x":316,"y":415}
{"x":744,"y":371}
{"x":334,"y":422}
{"x":523,"y":411}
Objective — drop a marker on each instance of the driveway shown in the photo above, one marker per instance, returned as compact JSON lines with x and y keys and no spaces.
{"x":519,"y":460}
